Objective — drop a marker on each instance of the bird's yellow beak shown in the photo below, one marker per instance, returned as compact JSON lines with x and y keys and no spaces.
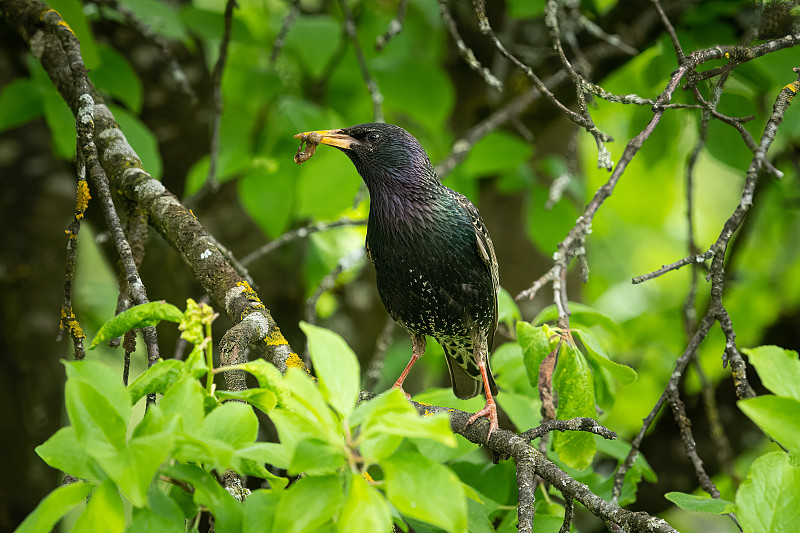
{"x":330,"y":137}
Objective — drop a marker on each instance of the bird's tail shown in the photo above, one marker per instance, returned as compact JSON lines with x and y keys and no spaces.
{"x":464,"y":373}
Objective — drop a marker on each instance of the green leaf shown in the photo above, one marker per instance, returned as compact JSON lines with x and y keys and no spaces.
{"x":336,"y":367}
{"x":495,"y":153}
{"x":365,"y":509}
{"x":580,"y":314}
{"x":700,"y":504}
{"x":769,"y":499}
{"x":259,"y":507}
{"x":523,"y":410}
{"x":63,"y":452}
{"x":61,"y":123}
{"x":425,"y":490}
{"x":317,"y":457}
{"x":54,"y":506}
{"x":310,"y":29}
{"x":390,"y":414}
{"x":134,"y":468}
{"x":232,"y":422}
{"x":267,"y":375}
{"x":263,"y":399}
{"x":778,"y":369}
{"x":507,"y":310}
{"x":308,"y":504}
{"x":104,"y":511}
{"x":97,"y":424}
{"x":20,"y":102}
{"x":162,"y":514}
{"x":158,"y":16}
{"x":535,"y":347}
{"x":778,"y":416}
{"x":138,"y":316}
{"x":209,"y":493}
{"x":267,"y":194}
{"x":156,"y":379}
{"x":575,"y":388}
{"x":116,"y":76}
{"x":594,"y":351}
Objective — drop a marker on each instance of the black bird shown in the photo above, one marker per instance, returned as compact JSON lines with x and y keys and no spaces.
{"x":434,"y":262}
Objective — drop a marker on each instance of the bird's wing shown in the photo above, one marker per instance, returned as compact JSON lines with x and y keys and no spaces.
{"x":485,"y":249}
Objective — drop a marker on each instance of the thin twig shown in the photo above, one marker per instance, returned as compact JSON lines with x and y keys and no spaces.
{"x":466,"y":52}
{"x":299,"y":233}
{"x":395,"y":26}
{"x":589,"y":425}
{"x":372,"y":85}
{"x":286,"y":25}
{"x":211,"y":185}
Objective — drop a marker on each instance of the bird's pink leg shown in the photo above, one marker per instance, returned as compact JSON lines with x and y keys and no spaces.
{"x":417,"y":350}
{"x":490,"y":409}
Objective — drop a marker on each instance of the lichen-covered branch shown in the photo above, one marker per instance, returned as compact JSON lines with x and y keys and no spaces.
{"x":254,"y":325}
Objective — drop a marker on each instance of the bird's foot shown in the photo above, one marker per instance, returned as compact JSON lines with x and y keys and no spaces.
{"x":407,"y":395}
{"x":489,"y":411}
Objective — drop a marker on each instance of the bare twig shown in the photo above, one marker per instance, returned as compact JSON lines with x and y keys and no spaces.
{"x":575,"y":424}
{"x":299,"y":233}
{"x":395,"y":26}
{"x":286,"y":25}
{"x":466,"y":52}
{"x":372,"y":85}
{"x":211,"y":184}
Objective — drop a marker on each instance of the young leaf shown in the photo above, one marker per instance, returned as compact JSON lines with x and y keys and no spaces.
{"x":308,"y":504}
{"x":138,"y":316}
{"x":425,"y":490}
{"x":209,"y":493}
{"x":63,"y":452}
{"x":162,"y":514}
{"x":263,"y":399}
{"x":778,"y":369}
{"x":232,"y":422}
{"x":575,"y":387}
{"x":336,"y":367}
{"x":535,"y":347}
{"x":580,"y":314}
{"x":259,"y":508}
{"x":624,"y":374}
{"x":365,"y":509}
{"x":54,"y":506}
{"x":769,"y":499}
{"x":104,"y":511}
{"x":157,"y":378}
{"x":700,"y":504}
{"x":778,"y":416}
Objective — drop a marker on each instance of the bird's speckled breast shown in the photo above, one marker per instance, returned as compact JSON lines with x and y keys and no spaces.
{"x":429,"y":273}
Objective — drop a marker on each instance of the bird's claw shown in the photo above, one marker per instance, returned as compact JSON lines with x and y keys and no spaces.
{"x":489,"y":411}
{"x":407,"y":395}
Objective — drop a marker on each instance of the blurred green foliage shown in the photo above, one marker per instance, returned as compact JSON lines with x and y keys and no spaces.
{"x":314,"y":82}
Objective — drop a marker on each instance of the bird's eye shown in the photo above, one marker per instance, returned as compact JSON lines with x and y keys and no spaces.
{"x":373,"y":136}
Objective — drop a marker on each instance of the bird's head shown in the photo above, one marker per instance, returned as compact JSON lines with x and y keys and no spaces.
{"x":384,"y":154}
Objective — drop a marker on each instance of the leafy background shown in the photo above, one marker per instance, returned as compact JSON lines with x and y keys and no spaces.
{"x":314,"y":82}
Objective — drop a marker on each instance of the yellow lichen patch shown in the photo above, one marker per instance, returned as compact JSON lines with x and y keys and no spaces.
{"x":251,"y":295}
{"x":65,"y":25}
{"x":83,"y":198}
{"x":366,"y":476}
{"x":727,"y":55}
{"x":294,"y":361}
{"x":792,"y":86}
{"x":275,"y":338}
{"x":70,"y":323}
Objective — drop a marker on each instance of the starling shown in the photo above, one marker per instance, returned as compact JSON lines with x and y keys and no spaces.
{"x":434,"y":262}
